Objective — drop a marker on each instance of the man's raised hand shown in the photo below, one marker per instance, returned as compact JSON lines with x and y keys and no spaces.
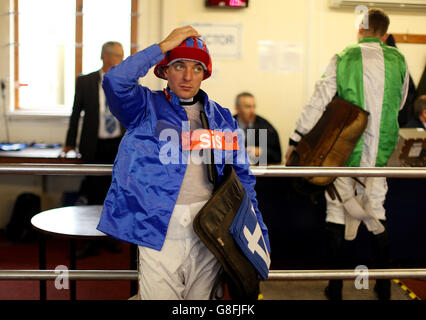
{"x":176,"y":37}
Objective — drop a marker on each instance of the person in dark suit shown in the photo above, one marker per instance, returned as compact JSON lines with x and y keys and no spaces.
{"x":245,"y":105}
{"x":419,"y":119}
{"x":100,"y":136}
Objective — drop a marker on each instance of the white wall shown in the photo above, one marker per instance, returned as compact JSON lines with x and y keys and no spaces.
{"x":280,"y":97}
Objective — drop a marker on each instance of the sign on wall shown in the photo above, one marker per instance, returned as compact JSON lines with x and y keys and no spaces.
{"x":280,"y":56}
{"x":222,"y":39}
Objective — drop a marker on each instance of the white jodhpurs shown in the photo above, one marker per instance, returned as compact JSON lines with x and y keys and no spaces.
{"x":184,"y":269}
{"x":358,"y":204}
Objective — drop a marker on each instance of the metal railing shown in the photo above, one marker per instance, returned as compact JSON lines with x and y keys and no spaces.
{"x":271,"y":171}
{"x":273,"y":274}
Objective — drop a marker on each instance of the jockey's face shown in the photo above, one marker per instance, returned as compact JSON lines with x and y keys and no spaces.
{"x":184,"y":78}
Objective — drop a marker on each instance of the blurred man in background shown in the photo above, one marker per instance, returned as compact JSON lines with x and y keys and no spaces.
{"x":245,"y":105}
{"x":419,"y":119}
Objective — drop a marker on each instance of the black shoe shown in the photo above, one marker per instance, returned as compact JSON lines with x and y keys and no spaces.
{"x":334,"y":290}
{"x":382,"y":289}
{"x":88,"y":250}
{"x":332,"y":296}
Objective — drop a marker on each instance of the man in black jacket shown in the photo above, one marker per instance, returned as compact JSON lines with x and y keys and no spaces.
{"x":419,"y":119}
{"x":101,"y":133}
{"x":246,"y":117}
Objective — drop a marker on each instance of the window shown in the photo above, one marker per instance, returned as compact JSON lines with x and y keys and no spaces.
{"x":104,"y":20}
{"x":46,"y":53}
{"x":56,"y":40}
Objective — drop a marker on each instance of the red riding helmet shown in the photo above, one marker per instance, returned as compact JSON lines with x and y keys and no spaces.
{"x":192,"y":49}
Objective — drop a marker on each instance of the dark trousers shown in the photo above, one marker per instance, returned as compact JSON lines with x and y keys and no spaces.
{"x":95,"y":188}
{"x":335,"y":239}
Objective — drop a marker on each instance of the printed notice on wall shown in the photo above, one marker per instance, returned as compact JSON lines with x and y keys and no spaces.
{"x":280,"y":56}
{"x":222,"y":39}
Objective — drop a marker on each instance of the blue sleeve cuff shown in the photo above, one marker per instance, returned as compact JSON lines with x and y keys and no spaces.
{"x":154,"y":53}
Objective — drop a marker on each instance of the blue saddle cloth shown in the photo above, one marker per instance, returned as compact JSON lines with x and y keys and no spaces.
{"x":245,"y":230}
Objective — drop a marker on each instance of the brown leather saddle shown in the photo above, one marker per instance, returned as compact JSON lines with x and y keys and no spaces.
{"x":331,"y":142}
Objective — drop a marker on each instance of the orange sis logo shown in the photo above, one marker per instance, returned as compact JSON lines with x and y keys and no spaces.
{"x":209,"y":139}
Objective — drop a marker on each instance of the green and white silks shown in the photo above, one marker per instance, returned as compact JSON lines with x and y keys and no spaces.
{"x":374,"y":77}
